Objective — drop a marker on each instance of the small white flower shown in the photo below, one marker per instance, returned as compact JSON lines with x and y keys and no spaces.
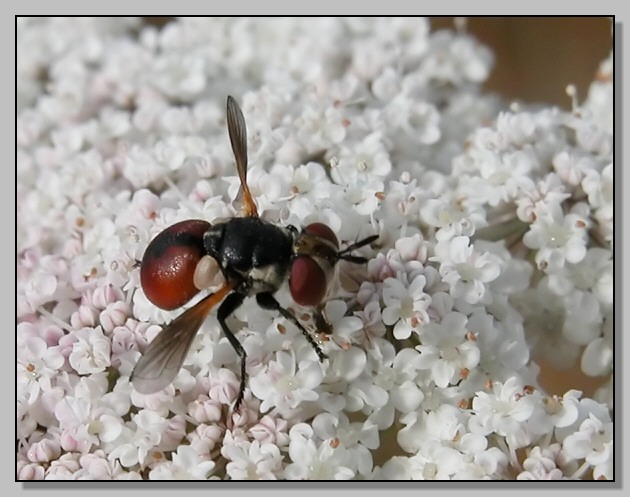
{"x":37,"y":365}
{"x":436,"y":462}
{"x":365,"y":392}
{"x":533,"y":195}
{"x":416,"y":118}
{"x":597,"y":358}
{"x":424,"y":429}
{"x":446,"y":350}
{"x":320,"y":128}
{"x":571,"y":168}
{"x":361,"y":193}
{"x":557,"y":238}
{"x":86,"y":418}
{"x":594,"y":443}
{"x":343,"y":326}
{"x":542,"y":464}
{"x":465,"y":270}
{"x":186,"y":465}
{"x":253,"y":461}
{"x":502,"y":410}
{"x":368,"y":159}
{"x":583,"y":320}
{"x":563,"y":411}
{"x":405,"y":306}
{"x":451,"y":217}
{"x":399,"y":379}
{"x":313,"y":462}
{"x":285,"y":384}
{"x":600,"y":189}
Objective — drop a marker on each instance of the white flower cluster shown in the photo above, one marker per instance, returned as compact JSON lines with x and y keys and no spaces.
{"x":494,"y":250}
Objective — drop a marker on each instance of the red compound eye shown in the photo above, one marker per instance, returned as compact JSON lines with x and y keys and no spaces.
{"x":307,"y":281}
{"x":322,"y":231}
{"x":169,"y":263}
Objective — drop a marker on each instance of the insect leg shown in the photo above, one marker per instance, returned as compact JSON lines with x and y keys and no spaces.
{"x":268,"y":301}
{"x":228,"y":306}
{"x":323,"y":326}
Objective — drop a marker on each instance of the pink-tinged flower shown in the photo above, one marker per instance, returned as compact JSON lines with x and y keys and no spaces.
{"x":272,"y":430}
{"x":205,"y":437}
{"x":90,"y":352}
{"x":113,"y":315}
{"x":44,"y":451}
{"x":96,"y":466}
{"x":224,"y":386}
{"x":26,"y":470}
{"x":203,"y":409}
{"x":64,"y":468}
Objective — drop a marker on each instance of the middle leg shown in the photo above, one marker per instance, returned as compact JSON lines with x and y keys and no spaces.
{"x":268,"y":301}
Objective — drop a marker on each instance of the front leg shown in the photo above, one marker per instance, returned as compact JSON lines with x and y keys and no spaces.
{"x":268,"y":301}
{"x":232,"y":302}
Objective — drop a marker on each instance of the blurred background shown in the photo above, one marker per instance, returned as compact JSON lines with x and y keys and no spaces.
{"x":537,"y":57}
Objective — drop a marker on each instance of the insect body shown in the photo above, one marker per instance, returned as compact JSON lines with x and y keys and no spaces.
{"x":254,"y":256}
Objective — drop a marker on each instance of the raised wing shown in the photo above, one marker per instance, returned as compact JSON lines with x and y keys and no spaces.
{"x":238,"y":138}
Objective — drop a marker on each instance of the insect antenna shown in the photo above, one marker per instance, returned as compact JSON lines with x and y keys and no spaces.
{"x":345,"y":253}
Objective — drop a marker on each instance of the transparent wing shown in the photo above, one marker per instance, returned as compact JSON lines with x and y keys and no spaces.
{"x":164,"y":357}
{"x":238,"y":138}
